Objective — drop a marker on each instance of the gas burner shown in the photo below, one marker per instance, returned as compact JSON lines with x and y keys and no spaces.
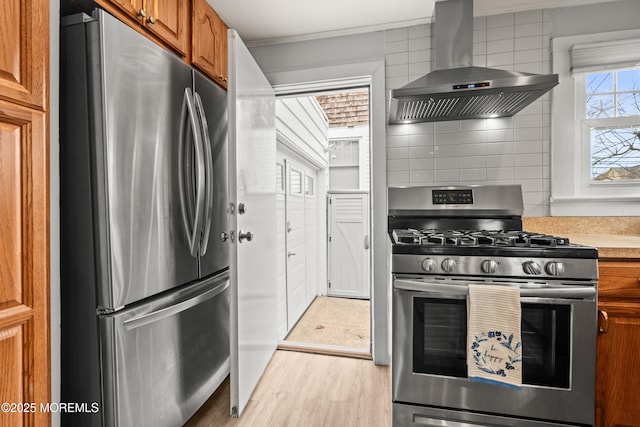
{"x":501,"y":238}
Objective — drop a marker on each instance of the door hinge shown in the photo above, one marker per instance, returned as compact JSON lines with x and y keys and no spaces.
{"x":329,"y":284}
{"x":329,"y":237}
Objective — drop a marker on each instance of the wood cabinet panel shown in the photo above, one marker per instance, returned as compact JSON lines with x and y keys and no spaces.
{"x":168,"y":19}
{"x":24,"y":51}
{"x":209,"y":42}
{"x":24,"y":266}
{"x":618,"y":365}
{"x":619,"y":280}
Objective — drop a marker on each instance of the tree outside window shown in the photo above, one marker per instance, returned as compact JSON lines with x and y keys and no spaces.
{"x":613,"y":117}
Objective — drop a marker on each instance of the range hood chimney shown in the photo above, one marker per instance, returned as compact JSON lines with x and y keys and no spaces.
{"x":456,"y":90}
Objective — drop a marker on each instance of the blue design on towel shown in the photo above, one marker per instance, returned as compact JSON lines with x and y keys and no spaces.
{"x":489,"y":361}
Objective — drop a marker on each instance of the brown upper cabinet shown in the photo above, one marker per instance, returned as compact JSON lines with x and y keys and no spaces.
{"x":166,"y":19}
{"x":209,"y":42}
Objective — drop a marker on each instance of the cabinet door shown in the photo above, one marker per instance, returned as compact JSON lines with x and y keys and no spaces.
{"x":24,"y":53}
{"x":168,"y":19}
{"x":618,"y":364}
{"x":133,"y":8}
{"x":209,"y":44}
{"x":24,"y":267}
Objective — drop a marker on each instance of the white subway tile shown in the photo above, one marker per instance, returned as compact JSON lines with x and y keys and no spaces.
{"x":527,"y":160}
{"x":452,"y":150}
{"x":424,"y":152}
{"x":526,"y":43}
{"x":480,"y":48}
{"x":399,"y":178}
{"x":473,"y":149}
{"x":528,"y":17}
{"x":419,"y":31}
{"x":421,"y":164}
{"x":397,"y":34}
{"x":500,"y":123}
{"x":499,"y":135}
{"x":447,"y":176}
{"x":527,"y":134}
{"x":447,"y":138}
{"x":419,"y":68}
{"x":396,"y":46}
{"x":479,"y":23}
{"x":502,"y":20}
{"x":499,"y":148}
{"x":500,"y":33}
{"x":447,"y":126}
{"x":531,"y":185}
{"x":474,"y":124}
{"x":499,"y":46}
{"x":395,"y":130}
{"x":527,"y":120}
{"x":500,"y":60}
{"x":393,"y":71}
{"x":423,"y":177}
{"x":500,"y":174}
{"x":447,"y":163}
{"x":480,"y":60}
{"x":473,"y":137}
{"x":528,"y":172}
{"x":531,"y":67}
{"x":500,"y":161}
{"x":473,"y":176}
{"x":400,"y":58}
{"x":528,"y":30}
{"x":397,"y":153}
{"x":473,"y":162}
{"x":528,"y":147}
{"x":421,"y":55}
{"x":396,"y":82}
{"x":397,"y":141}
{"x":420,"y":44}
{"x":421,"y":140}
{"x":421,"y":128}
{"x":526,"y":56}
{"x":480,"y":36}
{"x":398,"y":165}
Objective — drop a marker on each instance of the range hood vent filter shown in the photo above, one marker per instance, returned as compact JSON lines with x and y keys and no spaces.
{"x":456,"y":90}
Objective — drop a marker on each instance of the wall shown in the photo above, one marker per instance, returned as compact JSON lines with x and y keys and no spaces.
{"x":513,"y":150}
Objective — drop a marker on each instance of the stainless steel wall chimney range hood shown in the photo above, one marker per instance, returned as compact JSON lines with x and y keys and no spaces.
{"x":457,"y":90}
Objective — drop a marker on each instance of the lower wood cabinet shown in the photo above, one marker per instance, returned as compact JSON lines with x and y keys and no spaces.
{"x":618,"y":348}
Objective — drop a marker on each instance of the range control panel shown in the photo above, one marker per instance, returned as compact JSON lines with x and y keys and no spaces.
{"x":452,"y":197}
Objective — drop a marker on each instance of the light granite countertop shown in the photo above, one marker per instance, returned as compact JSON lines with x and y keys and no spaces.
{"x":615,"y":237}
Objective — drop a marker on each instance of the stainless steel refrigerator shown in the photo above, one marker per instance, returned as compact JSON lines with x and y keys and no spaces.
{"x":144,"y":253}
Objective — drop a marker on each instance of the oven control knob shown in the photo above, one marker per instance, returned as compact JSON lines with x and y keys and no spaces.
{"x":448,"y":265}
{"x":554,"y":268}
{"x":489,"y":266}
{"x":428,"y":265}
{"x":531,"y":267}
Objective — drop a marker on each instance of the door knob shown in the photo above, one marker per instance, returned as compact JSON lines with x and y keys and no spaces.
{"x":242,"y":235}
{"x":241,"y":209}
{"x":290,"y":254}
{"x":224,"y":236}
{"x":151,"y":20}
{"x":142,"y":13}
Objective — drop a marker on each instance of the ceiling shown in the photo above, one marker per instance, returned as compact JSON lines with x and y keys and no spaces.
{"x":277,"y":21}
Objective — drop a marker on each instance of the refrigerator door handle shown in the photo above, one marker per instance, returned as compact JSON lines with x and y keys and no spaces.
{"x":163,"y":313}
{"x":193,"y":226}
{"x":208,"y":155}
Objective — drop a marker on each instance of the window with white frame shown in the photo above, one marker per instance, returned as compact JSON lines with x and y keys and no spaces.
{"x":595,"y":143}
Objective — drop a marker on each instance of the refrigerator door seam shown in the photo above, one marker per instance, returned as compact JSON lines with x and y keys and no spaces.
{"x":163,"y":313}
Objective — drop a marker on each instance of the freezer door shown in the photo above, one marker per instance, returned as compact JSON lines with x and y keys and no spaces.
{"x":212,"y":104}
{"x":137,"y":91}
{"x":162,"y":360}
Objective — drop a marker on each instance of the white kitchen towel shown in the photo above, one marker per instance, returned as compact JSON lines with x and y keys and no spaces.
{"x":494,"y":345}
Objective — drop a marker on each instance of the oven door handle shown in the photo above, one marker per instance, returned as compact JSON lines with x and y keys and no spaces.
{"x":568,"y":291}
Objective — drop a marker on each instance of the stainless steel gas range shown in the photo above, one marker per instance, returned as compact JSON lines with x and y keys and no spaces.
{"x":445,"y":239}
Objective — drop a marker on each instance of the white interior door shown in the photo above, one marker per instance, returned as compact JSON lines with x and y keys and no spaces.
{"x":296,"y":242}
{"x":252,"y":191}
{"x":349,"y":244}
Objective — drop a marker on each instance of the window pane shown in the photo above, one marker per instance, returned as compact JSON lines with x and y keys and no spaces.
{"x":599,"y":83}
{"x":296,"y":182}
{"x":600,"y":106}
{"x":628,"y":80}
{"x":615,"y":153}
{"x":279,"y":177}
{"x":628,"y":104}
{"x":308,"y":186}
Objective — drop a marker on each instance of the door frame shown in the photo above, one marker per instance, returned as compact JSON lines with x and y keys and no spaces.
{"x":371,"y":75}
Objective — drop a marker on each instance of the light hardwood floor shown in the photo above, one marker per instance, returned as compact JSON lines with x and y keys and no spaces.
{"x":310,"y":390}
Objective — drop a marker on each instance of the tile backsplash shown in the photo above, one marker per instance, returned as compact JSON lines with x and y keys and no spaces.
{"x":513,"y":150}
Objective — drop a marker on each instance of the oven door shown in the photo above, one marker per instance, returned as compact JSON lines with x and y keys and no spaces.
{"x":558,"y":340}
